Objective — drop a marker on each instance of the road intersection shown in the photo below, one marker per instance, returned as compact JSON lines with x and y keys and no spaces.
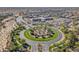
{"x":45,"y":44}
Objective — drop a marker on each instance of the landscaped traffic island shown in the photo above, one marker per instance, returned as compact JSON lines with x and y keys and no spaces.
{"x":41,"y":33}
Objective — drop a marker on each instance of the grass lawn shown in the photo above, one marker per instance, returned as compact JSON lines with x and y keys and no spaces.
{"x":29,"y":36}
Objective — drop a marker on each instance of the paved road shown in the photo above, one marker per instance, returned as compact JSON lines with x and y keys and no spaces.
{"x":34,"y":44}
{"x":45,"y":44}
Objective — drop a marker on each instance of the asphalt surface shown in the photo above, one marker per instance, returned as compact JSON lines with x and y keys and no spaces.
{"x":34,"y":44}
{"x":46,"y":44}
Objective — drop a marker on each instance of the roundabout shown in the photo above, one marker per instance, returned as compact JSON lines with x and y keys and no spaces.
{"x":41,"y":34}
{"x":45,"y":41}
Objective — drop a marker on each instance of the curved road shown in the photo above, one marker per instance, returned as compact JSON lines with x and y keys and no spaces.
{"x":46,"y":44}
{"x":34,"y":44}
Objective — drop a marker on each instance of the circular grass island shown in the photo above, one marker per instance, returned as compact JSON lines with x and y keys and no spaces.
{"x":41,"y":33}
